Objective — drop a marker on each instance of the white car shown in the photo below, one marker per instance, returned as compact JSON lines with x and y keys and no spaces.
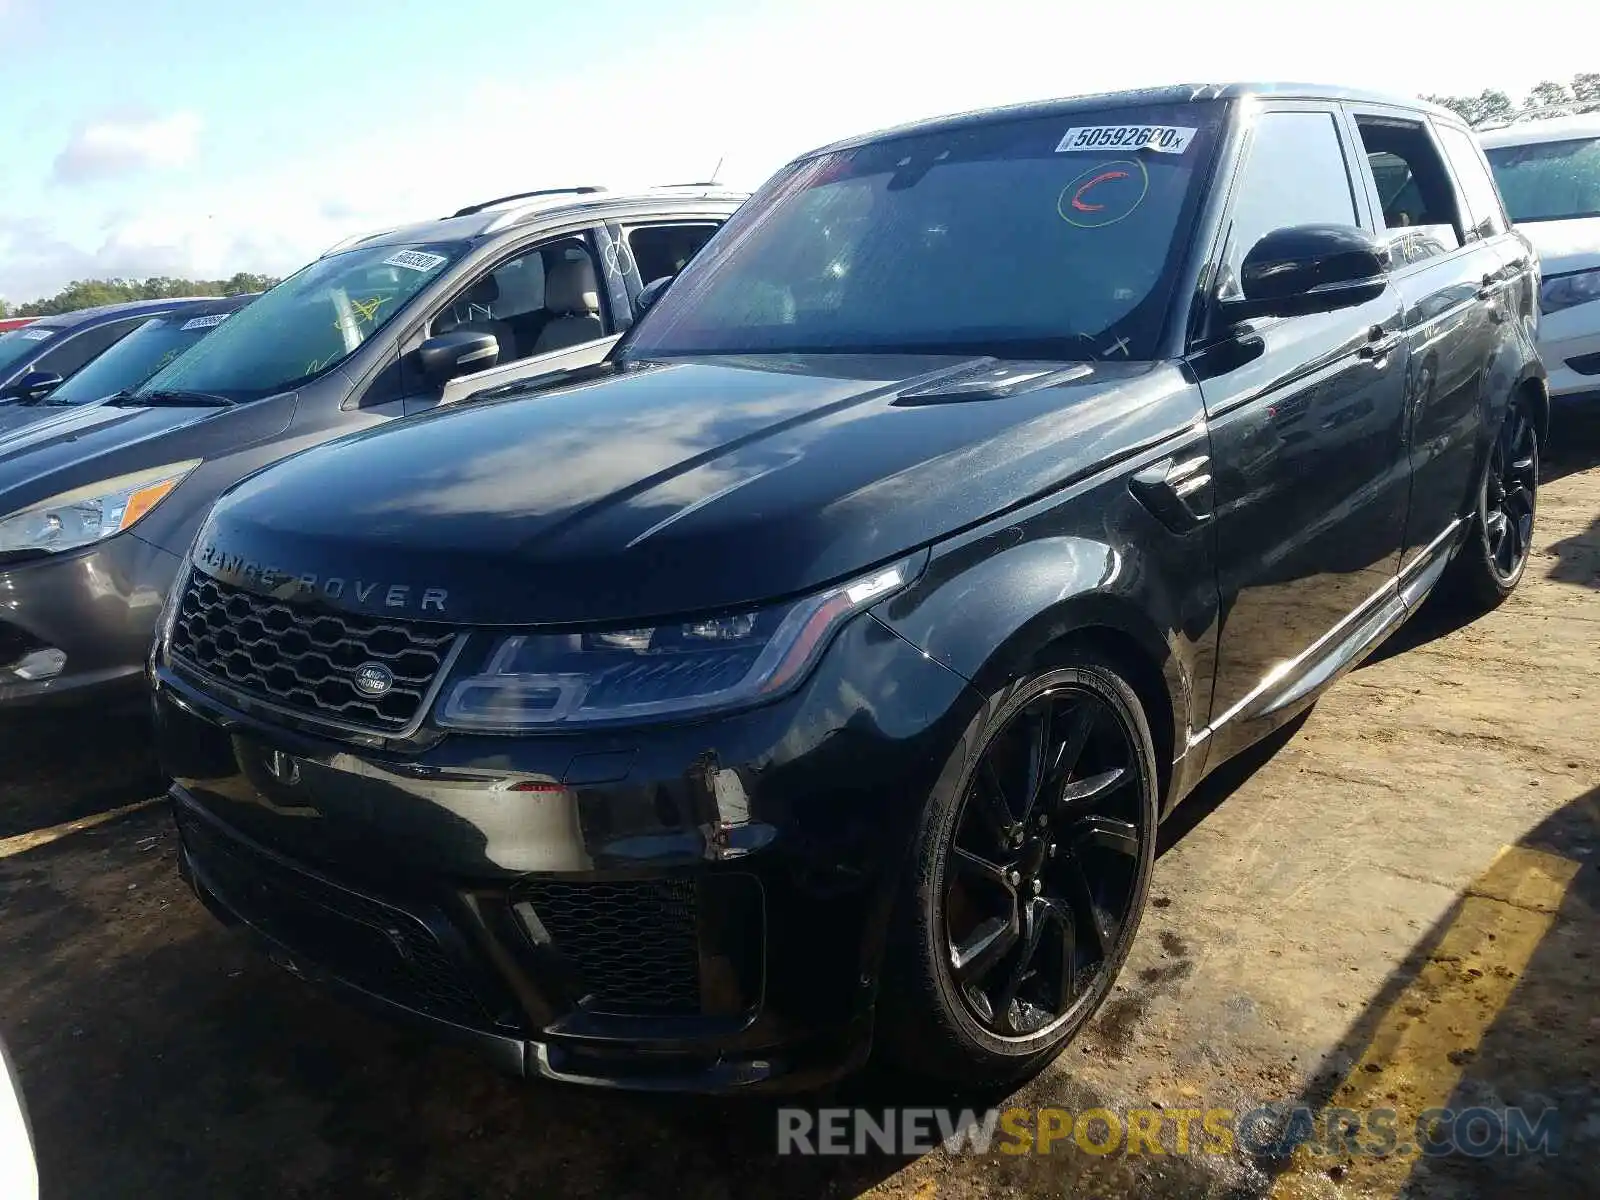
{"x":19,"y":1176}
{"x":1549,"y":175}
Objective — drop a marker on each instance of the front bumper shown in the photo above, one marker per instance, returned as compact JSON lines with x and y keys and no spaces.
{"x":98,"y":605}
{"x":698,"y":907}
{"x":1569,"y":335}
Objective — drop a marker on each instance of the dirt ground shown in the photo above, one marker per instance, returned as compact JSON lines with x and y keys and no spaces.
{"x":1394,"y":906}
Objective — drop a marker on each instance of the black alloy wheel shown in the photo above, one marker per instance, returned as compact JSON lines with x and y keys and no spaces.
{"x":1510,"y":495}
{"x":1032,"y":863}
{"x":1491,"y":563}
{"x":1042,"y":872}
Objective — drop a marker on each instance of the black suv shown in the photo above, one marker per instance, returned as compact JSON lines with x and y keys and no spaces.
{"x":818,"y":672}
{"x":98,"y":506}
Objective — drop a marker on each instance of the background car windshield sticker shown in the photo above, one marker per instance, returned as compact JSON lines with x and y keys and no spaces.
{"x":415,"y":260}
{"x":210,"y":322}
{"x":1104,"y":194}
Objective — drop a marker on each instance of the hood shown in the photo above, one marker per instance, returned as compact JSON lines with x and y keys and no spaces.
{"x":676,"y":488}
{"x":45,"y":451}
{"x":15,"y":416}
{"x":1565,"y":245}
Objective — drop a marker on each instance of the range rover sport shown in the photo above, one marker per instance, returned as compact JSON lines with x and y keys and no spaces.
{"x":815,"y":673}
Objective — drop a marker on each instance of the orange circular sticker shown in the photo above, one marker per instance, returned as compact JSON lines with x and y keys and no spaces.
{"x":1104,"y":194}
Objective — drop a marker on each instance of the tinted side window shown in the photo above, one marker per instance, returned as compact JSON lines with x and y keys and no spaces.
{"x":661,"y":250}
{"x":1295,"y":175}
{"x":1472,"y":171}
{"x":83,"y":348}
{"x":1415,"y":195}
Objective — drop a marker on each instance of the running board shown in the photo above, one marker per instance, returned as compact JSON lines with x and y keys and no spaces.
{"x":1341,"y":657}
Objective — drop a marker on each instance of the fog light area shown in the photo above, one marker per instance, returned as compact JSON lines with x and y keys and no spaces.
{"x":39,"y":664}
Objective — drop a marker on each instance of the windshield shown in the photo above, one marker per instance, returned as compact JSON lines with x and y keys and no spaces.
{"x":309,"y":323}
{"x":19,"y":345}
{"x":1549,"y":181}
{"x":1041,"y":238}
{"x":135,"y":358}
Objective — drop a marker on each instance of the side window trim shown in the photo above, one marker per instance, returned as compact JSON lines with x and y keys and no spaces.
{"x":76,"y":337}
{"x":1205,"y":332}
{"x":1435,"y":128}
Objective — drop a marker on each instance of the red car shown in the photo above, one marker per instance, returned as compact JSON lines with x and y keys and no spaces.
{"x":9,"y":323}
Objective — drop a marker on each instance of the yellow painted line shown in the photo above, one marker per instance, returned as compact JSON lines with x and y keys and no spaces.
{"x":35,"y":838}
{"x":1423,"y":1041}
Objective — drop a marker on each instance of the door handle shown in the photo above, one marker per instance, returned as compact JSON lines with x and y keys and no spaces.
{"x":1489,"y":286}
{"x":1380,"y":344}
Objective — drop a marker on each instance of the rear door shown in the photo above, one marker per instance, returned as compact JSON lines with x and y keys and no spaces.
{"x":1307,"y":426}
{"x":1452,"y":280}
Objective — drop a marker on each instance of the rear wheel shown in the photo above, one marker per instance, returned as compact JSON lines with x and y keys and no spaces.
{"x":1491,"y":564}
{"x":1032,"y":867}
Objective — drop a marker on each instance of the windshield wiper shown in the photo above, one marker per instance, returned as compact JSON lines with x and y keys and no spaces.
{"x":169,"y":398}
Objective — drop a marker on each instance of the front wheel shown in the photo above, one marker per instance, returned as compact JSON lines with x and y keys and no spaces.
{"x":1491,"y":563}
{"x":1031,"y":868}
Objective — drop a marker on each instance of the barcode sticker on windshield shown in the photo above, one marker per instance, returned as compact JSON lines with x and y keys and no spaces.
{"x":204,"y":322}
{"x":1164,"y":139}
{"x":415,"y":260}
{"x":36,"y":335}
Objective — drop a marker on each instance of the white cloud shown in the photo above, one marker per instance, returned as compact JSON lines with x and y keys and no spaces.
{"x":110,"y":148}
{"x":756,"y":88}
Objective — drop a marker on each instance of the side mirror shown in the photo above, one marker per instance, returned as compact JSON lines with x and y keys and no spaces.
{"x":1310,"y":269}
{"x":447,"y":356}
{"x":36,"y":385}
{"x":650,"y":294}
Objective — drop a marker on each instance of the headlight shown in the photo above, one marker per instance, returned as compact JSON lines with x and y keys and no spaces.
{"x":91,"y":513}
{"x":1565,"y":291}
{"x":561,"y":680}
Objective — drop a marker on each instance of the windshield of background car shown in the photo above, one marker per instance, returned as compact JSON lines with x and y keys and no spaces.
{"x":1549,"y":181}
{"x":1052,"y":237}
{"x":19,"y":345}
{"x":135,"y":358}
{"x":309,"y":323}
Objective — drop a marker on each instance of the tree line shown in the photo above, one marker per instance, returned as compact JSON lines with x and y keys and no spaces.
{"x":89,"y":293}
{"x":1547,"y":99}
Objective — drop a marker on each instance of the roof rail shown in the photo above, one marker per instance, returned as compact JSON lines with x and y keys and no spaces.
{"x":586,"y":190}
{"x":699,"y":183}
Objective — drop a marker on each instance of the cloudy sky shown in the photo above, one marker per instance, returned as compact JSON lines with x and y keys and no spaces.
{"x":196,"y":138}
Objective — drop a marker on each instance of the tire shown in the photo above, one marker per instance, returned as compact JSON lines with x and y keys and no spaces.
{"x":939,"y":1012}
{"x":1494,"y":557}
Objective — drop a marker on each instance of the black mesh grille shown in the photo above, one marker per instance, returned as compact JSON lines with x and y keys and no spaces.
{"x":306,"y":659}
{"x":381,"y":949}
{"x":634,"y":946}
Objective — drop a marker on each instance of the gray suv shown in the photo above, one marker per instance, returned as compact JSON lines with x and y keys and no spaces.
{"x":97,"y":508}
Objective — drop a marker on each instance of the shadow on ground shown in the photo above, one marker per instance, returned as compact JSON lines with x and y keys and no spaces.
{"x":1496,"y":1008}
{"x":55,"y":767}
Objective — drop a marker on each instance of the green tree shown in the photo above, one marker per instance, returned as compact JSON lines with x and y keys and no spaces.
{"x":90,"y":293}
{"x":1586,"y":88}
{"x":1548,"y":99}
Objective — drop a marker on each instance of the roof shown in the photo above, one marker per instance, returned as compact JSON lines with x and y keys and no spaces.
{"x":128,"y":308}
{"x":1176,"y":93}
{"x":497,"y":216}
{"x":1551,"y":129}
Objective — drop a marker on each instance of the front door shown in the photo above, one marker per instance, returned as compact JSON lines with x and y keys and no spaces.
{"x":1307,"y":419}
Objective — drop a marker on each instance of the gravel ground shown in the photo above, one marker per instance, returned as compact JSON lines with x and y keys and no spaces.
{"x":1335,"y":920}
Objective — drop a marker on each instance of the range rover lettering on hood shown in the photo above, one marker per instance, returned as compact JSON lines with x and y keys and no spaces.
{"x":243,"y":572}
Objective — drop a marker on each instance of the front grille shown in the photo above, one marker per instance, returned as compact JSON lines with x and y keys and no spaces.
{"x":634,"y":946}
{"x":375,"y":946}
{"x":306,"y":659}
